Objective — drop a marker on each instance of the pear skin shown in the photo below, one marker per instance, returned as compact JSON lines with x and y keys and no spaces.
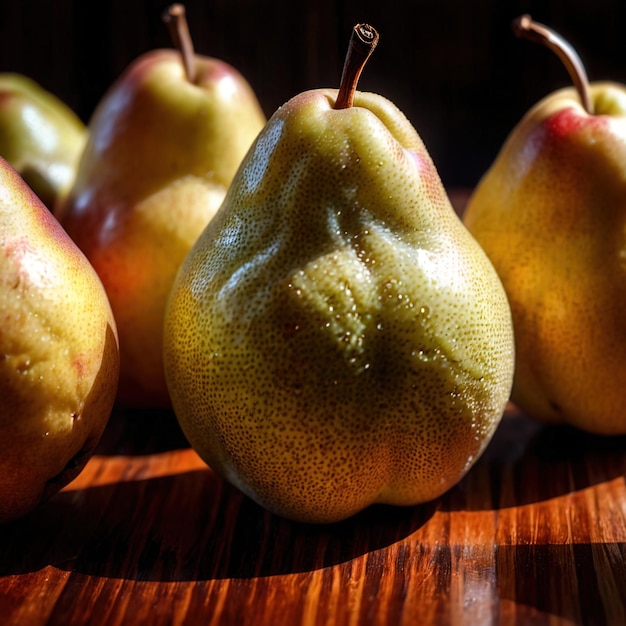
{"x":161,"y":154}
{"x":336,"y":338}
{"x":59,"y":358}
{"x":551,"y":215}
{"x":40,"y":136}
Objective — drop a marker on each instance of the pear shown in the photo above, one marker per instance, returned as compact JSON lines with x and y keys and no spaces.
{"x":163,"y":149}
{"x":550,"y":214}
{"x":59,"y":358}
{"x":40,"y":136}
{"x":336,"y":338}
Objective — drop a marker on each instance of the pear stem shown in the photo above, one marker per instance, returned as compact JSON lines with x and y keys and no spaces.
{"x":362,"y":43}
{"x":176,"y":20}
{"x":525,"y":26}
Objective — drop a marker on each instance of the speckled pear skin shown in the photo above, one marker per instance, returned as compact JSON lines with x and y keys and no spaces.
{"x":59,"y":357}
{"x":336,"y":338}
{"x":551,"y":215}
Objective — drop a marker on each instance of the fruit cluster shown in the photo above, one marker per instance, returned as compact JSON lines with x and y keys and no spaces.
{"x":299,"y":290}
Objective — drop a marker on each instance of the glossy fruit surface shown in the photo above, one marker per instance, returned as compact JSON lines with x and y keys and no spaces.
{"x":59,"y":359}
{"x":161,"y":155}
{"x":40,"y":136}
{"x":336,"y":338}
{"x":551,"y":215}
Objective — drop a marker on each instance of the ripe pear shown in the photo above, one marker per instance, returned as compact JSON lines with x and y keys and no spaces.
{"x":336,"y":338}
{"x":550,"y":214}
{"x":59,"y":358}
{"x":40,"y":136}
{"x":162,"y":152}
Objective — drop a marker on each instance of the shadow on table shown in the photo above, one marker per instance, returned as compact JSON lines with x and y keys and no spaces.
{"x":581,"y":583}
{"x":188,"y":526}
{"x":526,"y":461}
{"x":138,"y":432}
{"x":194,"y":526}
{"x":529,"y":462}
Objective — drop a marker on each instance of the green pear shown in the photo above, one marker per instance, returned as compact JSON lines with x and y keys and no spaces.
{"x":550,"y":214}
{"x":40,"y":136}
{"x":336,"y":338}
{"x":59,"y":359}
{"x":162,"y":152}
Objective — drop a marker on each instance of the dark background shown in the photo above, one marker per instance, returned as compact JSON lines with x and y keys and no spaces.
{"x":454,"y":68}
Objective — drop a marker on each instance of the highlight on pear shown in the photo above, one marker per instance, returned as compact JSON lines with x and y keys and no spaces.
{"x":165,"y":142}
{"x":336,"y":338}
{"x":546,"y":213}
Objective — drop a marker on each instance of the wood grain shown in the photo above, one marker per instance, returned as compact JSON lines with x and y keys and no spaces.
{"x":534,"y":534}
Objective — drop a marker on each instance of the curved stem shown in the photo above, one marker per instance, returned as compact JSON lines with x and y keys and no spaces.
{"x":524,"y":26}
{"x":362,"y":43}
{"x":174,"y":16}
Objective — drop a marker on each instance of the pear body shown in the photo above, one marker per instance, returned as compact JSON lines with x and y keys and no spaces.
{"x":551,"y":215}
{"x":60,"y":361}
{"x":161,"y":155}
{"x":336,"y":338}
{"x":40,"y":136}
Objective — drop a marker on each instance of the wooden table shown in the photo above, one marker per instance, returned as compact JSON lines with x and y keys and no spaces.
{"x":147,"y":534}
{"x":534,"y":534}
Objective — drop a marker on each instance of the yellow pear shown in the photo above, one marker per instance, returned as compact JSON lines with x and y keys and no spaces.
{"x":40,"y":136}
{"x":59,"y":359}
{"x":163,"y":149}
{"x":550,"y":214}
{"x":336,"y":338}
